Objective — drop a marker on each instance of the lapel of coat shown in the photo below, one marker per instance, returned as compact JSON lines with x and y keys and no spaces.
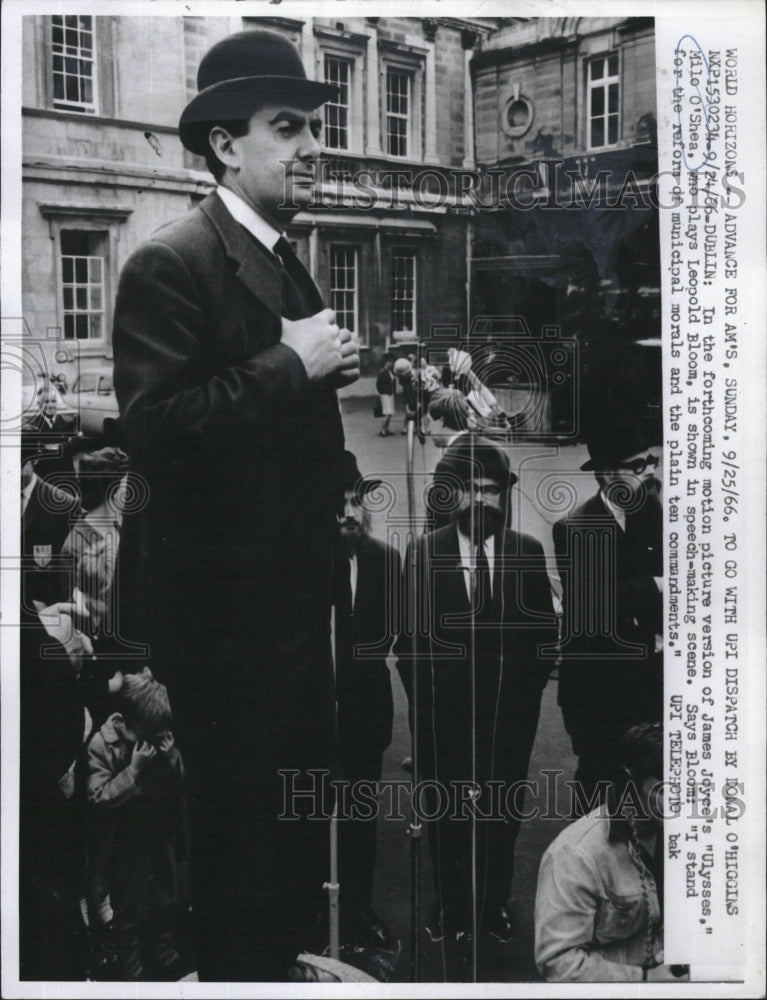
{"x":507,"y":575}
{"x":254,"y":270}
{"x":448,"y":573}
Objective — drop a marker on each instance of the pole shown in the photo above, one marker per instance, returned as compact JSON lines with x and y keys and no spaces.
{"x":332,"y":886}
{"x":415,"y":828}
{"x":473,"y":669}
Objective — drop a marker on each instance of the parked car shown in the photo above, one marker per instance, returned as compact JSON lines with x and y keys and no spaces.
{"x":92,"y":395}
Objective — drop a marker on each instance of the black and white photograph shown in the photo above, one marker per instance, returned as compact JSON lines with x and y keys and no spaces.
{"x":383,"y":399}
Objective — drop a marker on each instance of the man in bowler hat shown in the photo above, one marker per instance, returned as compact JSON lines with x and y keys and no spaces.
{"x":367,"y":608}
{"x":226,"y":369}
{"x":482,"y":610}
{"x":609,"y":555}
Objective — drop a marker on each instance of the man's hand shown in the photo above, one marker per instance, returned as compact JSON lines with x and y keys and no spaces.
{"x":350,"y":353}
{"x":57,"y":620}
{"x":325,"y":350}
{"x":143,"y":754}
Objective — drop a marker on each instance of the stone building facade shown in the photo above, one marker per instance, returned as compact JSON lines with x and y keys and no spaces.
{"x":567,"y":233}
{"x":103,"y":168}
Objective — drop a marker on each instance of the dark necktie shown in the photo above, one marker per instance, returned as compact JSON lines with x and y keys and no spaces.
{"x":299,"y":295}
{"x":483,"y":608}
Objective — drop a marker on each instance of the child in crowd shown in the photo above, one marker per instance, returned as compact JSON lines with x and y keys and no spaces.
{"x":135,"y":790}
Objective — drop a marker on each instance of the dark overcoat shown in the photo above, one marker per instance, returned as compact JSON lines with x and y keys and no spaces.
{"x":363,"y":640}
{"x":511,"y":666}
{"x":611,"y":676}
{"x":227,"y":570}
{"x":239,"y":451}
{"x":510,"y":655}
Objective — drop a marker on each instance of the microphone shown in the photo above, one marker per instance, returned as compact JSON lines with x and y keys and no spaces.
{"x":406,"y":378}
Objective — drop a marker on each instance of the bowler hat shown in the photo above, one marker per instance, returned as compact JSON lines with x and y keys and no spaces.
{"x":615,"y":438}
{"x":353,"y":478}
{"x":241,"y":71}
{"x":468,"y":456}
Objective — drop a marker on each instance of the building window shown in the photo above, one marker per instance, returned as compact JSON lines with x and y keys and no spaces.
{"x":604,"y":101}
{"x":73,"y":62}
{"x":403,"y":293}
{"x":398,"y":106}
{"x":344,"y":272}
{"x":83,"y":277}
{"x":338,"y":72}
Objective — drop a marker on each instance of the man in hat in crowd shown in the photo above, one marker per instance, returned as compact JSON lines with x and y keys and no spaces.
{"x":226,"y":369}
{"x":483,"y":608}
{"x":53,"y":435}
{"x":610,"y":560}
{"x":367,"y":611}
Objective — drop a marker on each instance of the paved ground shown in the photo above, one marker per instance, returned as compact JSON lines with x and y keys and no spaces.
{"x":540,"y":498}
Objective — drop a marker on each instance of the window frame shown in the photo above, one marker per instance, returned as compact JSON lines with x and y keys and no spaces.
{"x":348,"y":127}
{"x":352,"y":49}
{"x":91,"y":218}
{"x":355,"y":250}
{"x":391,"y":115}
{"x":604,"y":84}
{"x":103,"y":233}
{"x":409,"y":253}
{"x":62,"y":104}
{"x":411,"y":61}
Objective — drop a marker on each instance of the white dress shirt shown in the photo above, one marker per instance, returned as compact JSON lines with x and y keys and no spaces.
{"x":468,"y":558}
{"x":353,"y":570}
{"x":617,"y":512}
{"x":248,"y":217}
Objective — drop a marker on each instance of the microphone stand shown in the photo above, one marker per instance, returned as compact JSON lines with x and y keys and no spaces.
{"x":333,"y":886}
{"x":473,"y":676}
{"x":415,"y":827}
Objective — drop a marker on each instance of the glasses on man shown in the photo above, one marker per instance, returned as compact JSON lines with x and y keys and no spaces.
{"x":638,"y":465}
{"x":488,"y":490}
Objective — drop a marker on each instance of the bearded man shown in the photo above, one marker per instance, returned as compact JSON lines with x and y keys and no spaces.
{"x":610,"y":560}
{"x":482,"y":611}
{"x":366,"y":610}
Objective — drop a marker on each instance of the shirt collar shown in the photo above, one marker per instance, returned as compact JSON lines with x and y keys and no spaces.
{"x":248,"y":217}
{"x":617,"y":513}
{"x":466,"y":548}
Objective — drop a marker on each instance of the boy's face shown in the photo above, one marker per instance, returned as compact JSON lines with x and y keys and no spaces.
{"x":139,"y":734}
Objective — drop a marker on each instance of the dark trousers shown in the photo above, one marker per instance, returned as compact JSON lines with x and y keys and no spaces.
{"x":259,"y":835}
{"x":52,"y":942}
{"x":357,"y":836}
{"x":143,"y":879}
{"x":497,"y":811}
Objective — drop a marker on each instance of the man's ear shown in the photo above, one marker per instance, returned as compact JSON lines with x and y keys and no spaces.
{"x":221,"y":144}
{"x":118,"y":722}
